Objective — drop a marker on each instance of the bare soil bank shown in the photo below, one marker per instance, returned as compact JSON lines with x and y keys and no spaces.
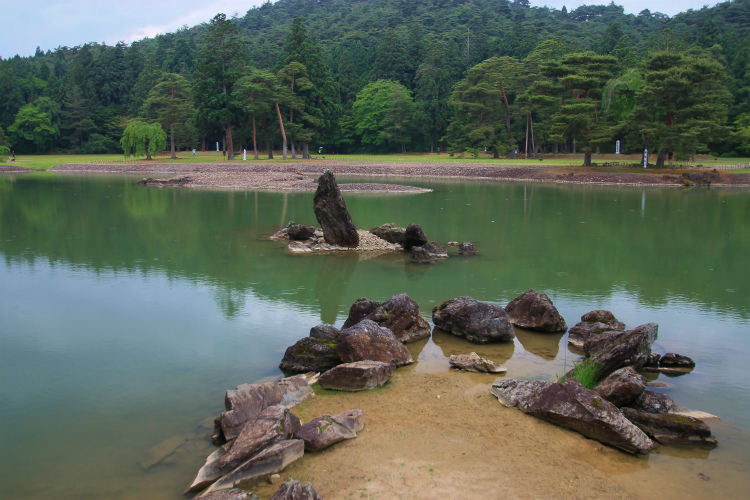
{"x":299,"y":176}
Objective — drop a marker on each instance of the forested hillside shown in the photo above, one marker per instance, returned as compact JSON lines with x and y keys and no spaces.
{"x":398,"y":75}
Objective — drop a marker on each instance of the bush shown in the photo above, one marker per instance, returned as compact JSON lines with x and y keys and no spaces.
{"x":99,"y":144}
{"x":4,"y":152}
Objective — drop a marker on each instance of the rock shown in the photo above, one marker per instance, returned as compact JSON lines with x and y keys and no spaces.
{"x":368,"y":341}
{"x":247,"y":400}
{"x":299,"y":247}
{"x":603,"y":316}
{"x":434,"y":249}
{"x":390,"y":232}
{"x":332,"y":215}
{"x":161,"y":451}
{"x":274,"y":479}
{"x":622,"y":386}
{"x":593,"y":323}
{"x":614,"y":350}
{"x":211,"y":471}
{"x":324,"y":332}
{"x":478,"y":322}
{"x":473,"y":363}
{"x":466,"y":249}
{"x":535,"y":311}
{"x":452,"y":243}
{"x":414,"y":237}
{"x":310,"y":354}
{"x":653,"y":359}
{"x":671,"y":428}
{"x":400,"y":314}
{"x":572,"y":406}
{"x":653,"y":402}
{"x":231,"y":494}
{"x":270,"y":461}
{"x":357,"y":376}
{"x":322,"y":432}
{"x":673,"y":360}
{"x":300,"y":232}
{"x":420,"y":255}
{"x":511,"y":392}
{"x":292,"y":489}
{"x":270,"y":426}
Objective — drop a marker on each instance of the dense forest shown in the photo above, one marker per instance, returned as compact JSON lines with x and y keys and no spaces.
{"x":454,"y":76}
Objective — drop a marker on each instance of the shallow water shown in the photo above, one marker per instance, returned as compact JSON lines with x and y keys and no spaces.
{"x":126,"y":312}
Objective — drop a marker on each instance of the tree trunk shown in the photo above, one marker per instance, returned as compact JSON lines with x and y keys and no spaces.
{"x":587,"y":158}
{"x":230,"y":146}
{"x":305,"y":150}
{"x":171,"y":140}
{"x":573,"y":143}
{"x":148,"y":153}
{"x":495,"y":153}
{"x":662,"y":156}
{"x":432,"y":145}
{"x":255,"y":143}
{"x":283,"y":133}
{"x":294,"y":151}
{"x":531,"y":125}
{"x":268,"y":142}
{"x":527,"y":136}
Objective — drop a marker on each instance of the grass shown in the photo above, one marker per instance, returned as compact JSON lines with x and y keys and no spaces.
{"x":584,"y":372}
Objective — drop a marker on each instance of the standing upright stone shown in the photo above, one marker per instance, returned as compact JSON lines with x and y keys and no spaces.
{"x":332,"y":215}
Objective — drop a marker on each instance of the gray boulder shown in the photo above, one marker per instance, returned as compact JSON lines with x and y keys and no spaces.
{"x":674,"y":360}
{"x":332,"y":215}
{"x":368,"y":341}
{"x":211,"y":470}
{"x":390,"y":232}
{"x":322,"y":432}
{"x":400,"y":314}
{"x":357,"y":376}
{"x":231,"y":494}
{"x":414,"y":237}
{"x":324,"y":332}
{"x":466,"y":249}
{"x":420,"y":255}
{"x":478,"y":322}
{"x":270,"y":461}
{"x":436,"y":250}
{"x":535,"y":311}
{"x":622,"y":386}
{"x":593,"y":323}
{"x":473,"y":363}
{"x":670,"y":428}
{"x":603,"y":316}
{"x":511,"y":392}
{"x":653,"y":402}
{"x":293,"y":489}
{"x":615,"y":350}
{"x":248,"y":400}
{"x":310,"y":354}
{"x":300,"y":232}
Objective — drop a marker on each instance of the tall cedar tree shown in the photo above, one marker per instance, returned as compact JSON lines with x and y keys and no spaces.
{"x":256,"y":94}
{"x":321,"y":101}
{"x":391,"y":62}
{"x":575,"y":86}
{"x":220,"y":65}
{"x":169,"y":103}
{"x":682,"y":103}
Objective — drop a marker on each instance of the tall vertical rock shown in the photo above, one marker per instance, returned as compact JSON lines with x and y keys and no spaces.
{"x":332,"y":215}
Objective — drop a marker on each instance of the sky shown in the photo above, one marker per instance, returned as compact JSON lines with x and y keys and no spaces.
{"x":52,"y":23}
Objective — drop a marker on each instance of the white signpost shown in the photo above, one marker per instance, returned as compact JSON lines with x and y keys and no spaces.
{"x":244,"y":154}
{"x":645,"y":158}
{"x":217,"y":146}
{"x":617,"y":147}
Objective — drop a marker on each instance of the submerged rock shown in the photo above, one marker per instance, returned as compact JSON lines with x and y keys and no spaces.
{"x":357,"y":376}
{"x":535,"y":311}
{"x":473,"y":363}
{"x":332,"y":215}
{"x":322,"y":432}
{"x":466,"y":249}
{"x":368,"y":341}
{"x":420,"y":255}
{"x":478,"y":322}
{"x":671,"y":428}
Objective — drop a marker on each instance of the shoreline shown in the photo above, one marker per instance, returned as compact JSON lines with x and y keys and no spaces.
{"x":300,"y":176}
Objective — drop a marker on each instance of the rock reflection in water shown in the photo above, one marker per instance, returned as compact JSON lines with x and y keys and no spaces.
{"x":333,"y":280}
{"x":448,"y":345}
{"x":544,"y":345}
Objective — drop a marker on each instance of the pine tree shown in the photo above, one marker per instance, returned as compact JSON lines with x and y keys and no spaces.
{"x":170,"y":104}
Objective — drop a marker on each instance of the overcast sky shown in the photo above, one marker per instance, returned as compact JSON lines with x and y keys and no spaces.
{"x":52,"y":23}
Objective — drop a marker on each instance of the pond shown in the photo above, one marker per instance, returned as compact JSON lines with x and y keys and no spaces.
{"x":126,"y":312}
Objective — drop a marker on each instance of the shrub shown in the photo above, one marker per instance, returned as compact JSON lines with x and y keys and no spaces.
{"x":584,"y":372}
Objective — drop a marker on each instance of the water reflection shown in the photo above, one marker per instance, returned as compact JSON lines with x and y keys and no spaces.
{"x":450,"y":345}
{"x":544,"y":345}
{"x":333,"y":282}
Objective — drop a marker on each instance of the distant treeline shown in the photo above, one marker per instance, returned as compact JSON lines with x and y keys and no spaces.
{"x":399,"y":75}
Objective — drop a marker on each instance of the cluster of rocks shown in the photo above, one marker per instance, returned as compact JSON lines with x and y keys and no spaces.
{"x":620,"y":411}
{"x":337,"y":232}
{"x":259,"y":436}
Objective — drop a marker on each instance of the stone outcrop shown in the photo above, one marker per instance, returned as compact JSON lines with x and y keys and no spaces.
{"x":436,"y":250}
{"x":247,"y":400}
{"x":270,"y":461}
{"x":231,"y":494}
{"x":390,"y":232}
{"x":310,"y":354}
{"x":332,"y":215}
{"x":324,"y":332}
{"x":322,"y":432}
{"x":473,"y":363}
{"x":622,"y":386}
{"x":478,"y":322}
{"x":400,"y":314}
{"x":300,"y":232}
{"x":467,"y":248}
{"x":670,"y":428}
{"x":593,"y":323}
{"x":293,"y":489}
{"x":535,"y":311}
{"x":414,"y":237}
{"x":368,"y":341}
{"x":420,"y":255}
{"x":674,"y":360}
{"x":615,"y":350}
{"x":357,"y":376}
{"x":572,"y":406}
{"x":511,"y":392}
{"x":653,"y":402}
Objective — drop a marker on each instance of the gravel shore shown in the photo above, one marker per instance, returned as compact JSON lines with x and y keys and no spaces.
{"x":300,"y":175}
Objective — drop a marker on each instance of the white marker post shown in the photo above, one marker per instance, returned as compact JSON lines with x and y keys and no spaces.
{"x":645,"y":158}
{"x":217,"y":146}
{"x":244,"y":154}
{"x":617,"y":147}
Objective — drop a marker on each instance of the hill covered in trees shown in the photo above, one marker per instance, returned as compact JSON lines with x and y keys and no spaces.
{"x":398,"y":75}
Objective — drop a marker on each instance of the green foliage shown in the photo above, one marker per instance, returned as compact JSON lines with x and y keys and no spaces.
{"x":584,"y":372}
{"x":143,"y":139}
{"x":170,"y":104}
{"x":32,"y":126}
{"x":4,"y":152}
{"x":380,"y":105}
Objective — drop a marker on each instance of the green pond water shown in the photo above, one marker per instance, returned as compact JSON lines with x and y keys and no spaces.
{"x":126,"y":312}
